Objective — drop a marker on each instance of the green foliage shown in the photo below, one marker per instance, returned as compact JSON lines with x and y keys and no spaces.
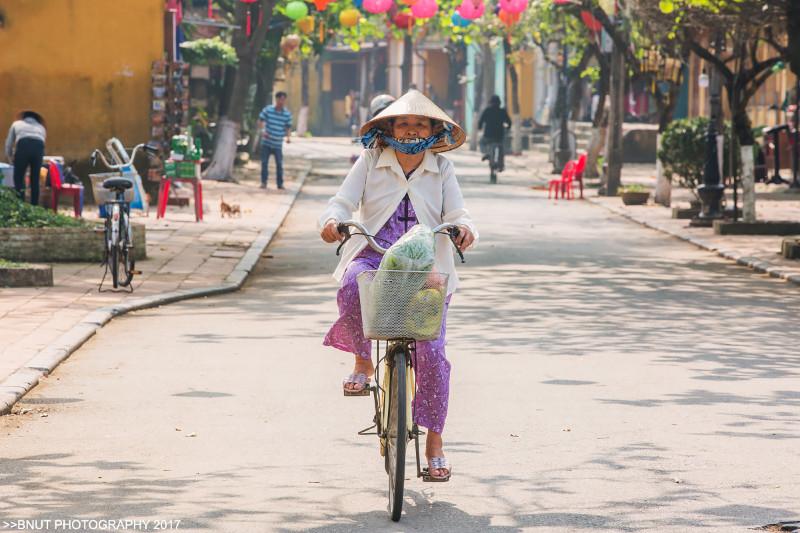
{"x":683,"y":150}
{"x":4,"y":263}
{"x":634,"y":187}
{"x":212,"y":51}
{"x":15,"y":213}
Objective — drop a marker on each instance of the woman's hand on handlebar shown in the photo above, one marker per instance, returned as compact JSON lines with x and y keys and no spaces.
{"x":330,"y":233}
{"x":464,"y":239}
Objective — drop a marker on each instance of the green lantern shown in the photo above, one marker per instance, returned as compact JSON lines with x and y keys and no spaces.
{"x":296,"y":10}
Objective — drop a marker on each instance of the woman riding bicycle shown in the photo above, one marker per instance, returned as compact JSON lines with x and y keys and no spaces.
{"x":398,"y":181}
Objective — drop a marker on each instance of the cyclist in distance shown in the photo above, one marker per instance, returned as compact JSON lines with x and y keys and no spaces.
{"x":494,"y":122}
{"x":379,"y":103}
{"x":399,"y":180}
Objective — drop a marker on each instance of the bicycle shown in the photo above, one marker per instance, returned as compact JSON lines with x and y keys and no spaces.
{"x":117,"y":234}
{"x":393,"y":311}
{"x":493,"y":153}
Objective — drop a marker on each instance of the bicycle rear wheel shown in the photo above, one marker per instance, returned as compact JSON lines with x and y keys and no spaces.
{"x":396,"y":433}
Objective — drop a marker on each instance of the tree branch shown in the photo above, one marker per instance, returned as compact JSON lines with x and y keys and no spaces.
{"x":711,"y":58}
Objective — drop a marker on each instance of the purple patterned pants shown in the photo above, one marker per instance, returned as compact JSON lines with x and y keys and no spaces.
{"x":430,"y":362}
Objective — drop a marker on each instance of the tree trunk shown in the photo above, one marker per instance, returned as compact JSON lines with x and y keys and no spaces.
{"x":516,"y":131}
{"x":613,"y":175}
{"x":302,"y":116}
{"x":599,"y":124}
{"x":247,"y":49}
{"x":408,"y":63}
{"x":748,"y":185}
{"x":666,"y":108}
{"x":487,"y":59}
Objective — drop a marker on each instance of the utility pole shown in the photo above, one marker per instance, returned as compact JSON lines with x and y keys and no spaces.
{"x":712,"y":189}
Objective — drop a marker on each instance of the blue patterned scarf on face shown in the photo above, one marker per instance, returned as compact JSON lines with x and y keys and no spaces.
{"x":370,"y":140}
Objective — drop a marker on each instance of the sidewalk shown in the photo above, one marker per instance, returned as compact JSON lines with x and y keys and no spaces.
{"x":182,"y":255}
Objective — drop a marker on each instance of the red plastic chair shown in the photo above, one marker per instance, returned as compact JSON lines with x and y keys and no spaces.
{"x":563,"y":184}
{"x":59,"y":188}
{"x":580,"y":166}
{"x":163,"y":195}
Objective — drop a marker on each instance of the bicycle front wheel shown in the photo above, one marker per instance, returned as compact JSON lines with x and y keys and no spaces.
{"x":396,"y":433}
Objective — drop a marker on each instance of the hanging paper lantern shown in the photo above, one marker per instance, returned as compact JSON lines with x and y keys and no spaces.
{"x":424,"y":9}
{"x":509,"y":19}
{"x":408,"y":3}
{"x":459,"y":21}
{"x":513,"y":6}
{"x":471,"y":9}
{"x":296,"y":10}
{"x":358,"y":3}
{"x":403,"y":20}
{"x":378,"y":6}
{"x":349,"y":17}
{"x":306,"y":25}
{"x":321,"y":4}
{"x":211,"y":9}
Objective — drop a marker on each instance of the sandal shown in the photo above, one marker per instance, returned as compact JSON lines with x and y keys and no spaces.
{"x":437,"y":463}
{"x":360,"y":379}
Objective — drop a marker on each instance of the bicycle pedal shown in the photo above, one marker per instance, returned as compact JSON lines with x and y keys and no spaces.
{"x":363,"y":392}
{"x":427,"y":478}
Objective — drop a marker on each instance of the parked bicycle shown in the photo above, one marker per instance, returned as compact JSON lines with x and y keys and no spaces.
{"x":118,"y":251}
{"x":399,"y":308}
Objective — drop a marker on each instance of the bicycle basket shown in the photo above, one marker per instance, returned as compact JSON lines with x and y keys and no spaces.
{"x":397,"y":304}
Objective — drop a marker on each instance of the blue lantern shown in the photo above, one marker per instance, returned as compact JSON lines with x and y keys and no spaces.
{"x":459,"y":21}
{"x":358,"y":3}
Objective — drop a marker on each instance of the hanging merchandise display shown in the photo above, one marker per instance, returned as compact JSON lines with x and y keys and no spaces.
{"x":296,"y":10}
{"x":248,"y":24}
{"x":349,"y":17}
{"x":471,"y":9}
{"x":591,"y":22}
{"x":378,"y":6}
{"x":424,"y":9}
{"x":290,"y":43}
{"x":513,"y":6}
{"x":509,"y":19}
{"x":459,"y":21}
{"x":306,"y":25}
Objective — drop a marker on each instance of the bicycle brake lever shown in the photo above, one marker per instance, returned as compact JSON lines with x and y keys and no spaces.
{"x":346,"y":238}
{"x":454,"y":232}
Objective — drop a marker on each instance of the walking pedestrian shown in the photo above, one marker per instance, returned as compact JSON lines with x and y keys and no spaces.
{"x":275,"y":122}
{"x":398,"y":181}
{"x":25,"y":150}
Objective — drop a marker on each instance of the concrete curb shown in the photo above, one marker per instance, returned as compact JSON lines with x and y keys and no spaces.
{"x":759,"y":265}
{"x":46,"y":360}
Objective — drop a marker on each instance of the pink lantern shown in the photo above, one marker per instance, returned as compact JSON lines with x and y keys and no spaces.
{"x":513,"y":6}
{"x":378,"y":6}
{"x":424,"y":9}
{"x":471,"y":9}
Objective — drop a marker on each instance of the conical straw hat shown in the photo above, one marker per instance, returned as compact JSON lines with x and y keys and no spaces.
{"x":416,"y":103}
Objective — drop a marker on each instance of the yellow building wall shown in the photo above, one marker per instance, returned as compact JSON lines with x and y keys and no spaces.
{"x":84,"y":65}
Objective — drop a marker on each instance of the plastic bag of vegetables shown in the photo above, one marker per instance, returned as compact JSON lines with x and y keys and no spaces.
{"x":412,"y":251}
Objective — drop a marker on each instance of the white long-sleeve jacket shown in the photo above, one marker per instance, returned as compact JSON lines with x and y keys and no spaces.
{"x":376,"y":185}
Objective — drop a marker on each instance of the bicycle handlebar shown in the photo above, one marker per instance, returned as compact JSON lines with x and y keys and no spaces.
{"x":136,"y":149}
{"x":344,"y":228}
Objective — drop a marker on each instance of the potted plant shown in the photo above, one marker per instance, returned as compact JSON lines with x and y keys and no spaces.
{"x":634,"y":195}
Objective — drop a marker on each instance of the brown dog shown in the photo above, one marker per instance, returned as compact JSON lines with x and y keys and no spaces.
{"x":228,"y":209}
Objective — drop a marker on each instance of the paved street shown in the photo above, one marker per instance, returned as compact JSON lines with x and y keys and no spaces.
{"x":605,"y":377}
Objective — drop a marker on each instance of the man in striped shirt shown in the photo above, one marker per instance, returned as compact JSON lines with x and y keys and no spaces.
{"x":274,"y":121}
